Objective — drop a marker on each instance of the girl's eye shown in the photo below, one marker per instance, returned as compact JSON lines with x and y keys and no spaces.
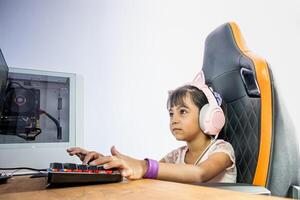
{"x":171,"y":114}
{"x":183,"y":111}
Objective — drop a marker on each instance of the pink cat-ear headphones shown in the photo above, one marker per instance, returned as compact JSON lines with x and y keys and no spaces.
{"x":211,"y":115}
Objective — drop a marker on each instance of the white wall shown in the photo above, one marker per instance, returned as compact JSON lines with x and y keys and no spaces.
{"x":130,"y":53}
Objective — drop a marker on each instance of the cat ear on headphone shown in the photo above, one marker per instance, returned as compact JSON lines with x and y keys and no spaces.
{"x":199,"y":80}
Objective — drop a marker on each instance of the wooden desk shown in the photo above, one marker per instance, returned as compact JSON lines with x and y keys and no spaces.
{"x":35,"y":189}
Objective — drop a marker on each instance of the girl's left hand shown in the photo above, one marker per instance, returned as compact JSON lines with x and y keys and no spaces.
{"x":130,"y":168}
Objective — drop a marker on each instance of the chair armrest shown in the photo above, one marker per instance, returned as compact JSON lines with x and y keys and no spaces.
{"x":295,"y":191}
{"x":240,"y":187}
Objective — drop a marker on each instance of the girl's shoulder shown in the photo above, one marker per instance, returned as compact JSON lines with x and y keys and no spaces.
{"x":178,"y":151}
{"x":221,"y":142}
{"x":222,"y":146}
{"x":175,"y":155}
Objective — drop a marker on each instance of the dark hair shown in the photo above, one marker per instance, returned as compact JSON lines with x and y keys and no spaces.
{"x":177,"y":96}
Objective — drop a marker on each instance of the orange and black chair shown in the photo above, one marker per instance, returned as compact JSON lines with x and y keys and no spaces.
{"x":257,"y":124}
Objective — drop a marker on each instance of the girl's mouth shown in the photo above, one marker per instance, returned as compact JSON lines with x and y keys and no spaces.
{"x":177,"y":129}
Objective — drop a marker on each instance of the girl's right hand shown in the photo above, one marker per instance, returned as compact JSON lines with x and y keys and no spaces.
{"x":129,"y":167}
{"x":85,"y":156}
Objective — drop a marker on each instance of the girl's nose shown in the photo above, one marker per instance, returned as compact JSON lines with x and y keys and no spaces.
{"x":174,"y":119}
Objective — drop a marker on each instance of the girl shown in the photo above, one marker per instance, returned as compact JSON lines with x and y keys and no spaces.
{"x":203,"y":158}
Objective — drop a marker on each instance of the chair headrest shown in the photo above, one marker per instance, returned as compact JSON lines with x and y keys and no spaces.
{"x":223,"y":61}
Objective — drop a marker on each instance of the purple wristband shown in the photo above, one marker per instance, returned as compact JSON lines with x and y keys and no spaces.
{"x":152,"y":169}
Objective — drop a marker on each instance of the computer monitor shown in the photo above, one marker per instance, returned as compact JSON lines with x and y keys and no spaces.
{"x":3,"y":80}
{"x":48,"y":96}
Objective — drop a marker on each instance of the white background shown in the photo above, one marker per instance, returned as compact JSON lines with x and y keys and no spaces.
{"x":130,"y":53}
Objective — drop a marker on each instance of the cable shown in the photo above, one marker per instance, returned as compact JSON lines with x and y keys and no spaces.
{"x":18,"y":168}
{"x":21,"y":168}
{"x":59,"y":134}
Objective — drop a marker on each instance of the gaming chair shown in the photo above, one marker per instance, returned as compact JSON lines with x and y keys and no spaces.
{"x":257,"y":124}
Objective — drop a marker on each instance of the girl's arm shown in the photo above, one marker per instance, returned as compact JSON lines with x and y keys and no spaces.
{"x":135,"y":169}
{"x":207,"y":170}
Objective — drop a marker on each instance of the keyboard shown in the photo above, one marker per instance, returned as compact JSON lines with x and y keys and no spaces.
{"x":77,"y":174}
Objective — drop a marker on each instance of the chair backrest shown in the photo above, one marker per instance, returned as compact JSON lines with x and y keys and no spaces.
{"x":253,"y":115}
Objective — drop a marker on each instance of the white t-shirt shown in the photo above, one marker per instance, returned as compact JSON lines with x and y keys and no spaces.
{"x":227,"y":176}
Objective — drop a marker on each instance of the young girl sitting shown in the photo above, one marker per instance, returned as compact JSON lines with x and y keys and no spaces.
{"x":196,"y":118}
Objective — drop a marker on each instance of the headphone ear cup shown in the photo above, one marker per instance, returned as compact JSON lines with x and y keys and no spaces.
{"x":218,"y":120}
{"x":211,"y":119}
{"x":203,"y":117}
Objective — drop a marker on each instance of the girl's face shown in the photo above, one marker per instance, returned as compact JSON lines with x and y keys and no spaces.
{"x":184,"y":120}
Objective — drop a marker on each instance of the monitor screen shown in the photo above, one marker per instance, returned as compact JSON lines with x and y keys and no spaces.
{"x":42,"y":116}
{"x":3,"y":80}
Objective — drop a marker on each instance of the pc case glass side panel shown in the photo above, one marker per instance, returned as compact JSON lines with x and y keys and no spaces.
{"x":37,"y":108}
